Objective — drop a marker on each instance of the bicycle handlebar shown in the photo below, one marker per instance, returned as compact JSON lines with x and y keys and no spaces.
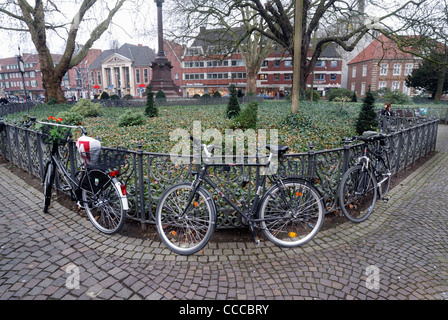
{"x":33,"y":120}
{"x":366,"y":138}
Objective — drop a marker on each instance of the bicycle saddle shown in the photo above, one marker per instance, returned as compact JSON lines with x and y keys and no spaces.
{"x":277,"y":148}
{"x":373,"y":135}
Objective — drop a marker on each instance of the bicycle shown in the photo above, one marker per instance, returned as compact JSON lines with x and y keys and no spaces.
{"x":361,"y":183}
{"x":289,"y":214}
{"x":95,"y":186}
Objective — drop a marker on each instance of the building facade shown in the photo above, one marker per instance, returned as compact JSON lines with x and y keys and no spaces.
{"x":122,"y":71}
{"x":381,"y":65}
{"x":206,"y":70}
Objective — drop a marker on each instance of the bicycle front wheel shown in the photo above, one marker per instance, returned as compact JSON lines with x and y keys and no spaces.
{"x":185,"y":225}
{"x":102,"y":202}
{"x":357,"y":193}
{"x":291,"y":214}
{"x":47,"y":185}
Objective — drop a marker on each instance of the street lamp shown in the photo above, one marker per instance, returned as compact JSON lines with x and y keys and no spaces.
{"x":22,"y":71}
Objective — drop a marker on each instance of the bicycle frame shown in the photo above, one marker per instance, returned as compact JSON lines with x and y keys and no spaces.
{"x":365,"y":161}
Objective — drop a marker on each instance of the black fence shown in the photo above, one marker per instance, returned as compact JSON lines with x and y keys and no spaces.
{"x":148,"y":174}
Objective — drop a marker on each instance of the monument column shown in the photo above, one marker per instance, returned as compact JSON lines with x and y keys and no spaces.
{"x":161,"y":75}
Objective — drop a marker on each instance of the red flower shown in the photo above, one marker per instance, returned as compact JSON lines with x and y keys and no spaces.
{"x":51,"y":118}
{"x":59,"y":119}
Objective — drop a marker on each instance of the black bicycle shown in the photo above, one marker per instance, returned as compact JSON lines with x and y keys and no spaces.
{"x":95,"y":187}
{"x":289,"y":214}
{"x":361,"y":184}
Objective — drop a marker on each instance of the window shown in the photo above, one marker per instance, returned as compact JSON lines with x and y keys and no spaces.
{"x":265,"y":63}
{"x":288,"y":76}
{"x":353,"y":86}
{"x":224,"y":75}
{"x":319,"y":76}
{"x":383,"y":69}
{"x":263,"y":76}
{"x":276,"y":76}
{"x":137,"y":75}
{"x":397,"y":69}
{"x":363,"y":88}
{"x":354,"y":72}
{"x":334,"y":63}
{"x":145,"y":74}
{"x":364,"y":70}
{"x":406,"y":89}
{"x":288,"y":63}
{"x":194,"y":76}
{"x":237,"y":63}
{"x":382,"y":85}
{"x":193,"y":51}
{"x":238,"y":75}
{"x":320,"y":63}
{"x":276,"y":63}
{"x":99,"y":77}
{"x":395,"y":85}
{"x":408,"y":68}
{"x":194,"y":64}
{"x":333,"y":76}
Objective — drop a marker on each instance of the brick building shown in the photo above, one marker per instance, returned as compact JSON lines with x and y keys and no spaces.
{"x":381,"y":65}
{"x":206,"y":70}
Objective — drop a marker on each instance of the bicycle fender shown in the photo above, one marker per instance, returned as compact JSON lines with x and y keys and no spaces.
{"x":124,"y":199}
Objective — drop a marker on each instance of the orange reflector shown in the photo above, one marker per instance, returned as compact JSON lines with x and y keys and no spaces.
{"x":298,"y":194}
{"x":173,"y":233}
{"x":292,"y":234}
{"x":114,"y":173}
{"x":123,"y":189}
{"x":196,"y":204}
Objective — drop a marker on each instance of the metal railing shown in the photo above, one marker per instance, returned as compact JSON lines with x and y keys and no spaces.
{"x":147,"y":174}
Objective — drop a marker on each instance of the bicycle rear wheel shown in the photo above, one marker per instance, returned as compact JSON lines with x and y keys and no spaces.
{"x":357,"y":194}
{"x":185,"y":232}
{"x":47,"y":185}
{"x":293,"y":215}
{"x":102,"y":202}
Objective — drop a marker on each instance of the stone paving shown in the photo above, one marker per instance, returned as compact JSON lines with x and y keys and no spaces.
{"x":400,"y":252}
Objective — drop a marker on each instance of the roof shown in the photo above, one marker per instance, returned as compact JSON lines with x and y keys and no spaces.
{"x":139,"y":55}
{"x":382,"y":48}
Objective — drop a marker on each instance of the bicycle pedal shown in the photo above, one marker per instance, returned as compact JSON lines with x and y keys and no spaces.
{"x":386,"y":199}
{"x":66,"y":188}
{"x":257,"y":242}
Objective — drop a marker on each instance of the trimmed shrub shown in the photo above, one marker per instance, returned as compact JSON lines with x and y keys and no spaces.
{"x":247,"y":119}
{"x":233,"y":106}
{"x":69,"y":117}
{"x":217,"y":94}
{"x":114,"y":97}
{"x":131,"y":118}
{"x":151,"y":108}
{"x":339,"y":93}
{"x":367,"y":119}
{"x":160,"y":96}
{"x":104,"y":96}
{"x":205,"y":96}
{"x":86,"y":108}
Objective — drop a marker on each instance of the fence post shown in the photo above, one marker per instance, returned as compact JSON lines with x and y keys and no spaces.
{"x":28,"y":153}
{"x":19,"y":157}
{"x":140,"y":182}
{"x":400,"y":147}
{"x":311,"y":163}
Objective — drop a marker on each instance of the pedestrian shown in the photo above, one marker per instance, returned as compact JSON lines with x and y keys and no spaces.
{"x":387,"y":111}
{"x":3,"y":100}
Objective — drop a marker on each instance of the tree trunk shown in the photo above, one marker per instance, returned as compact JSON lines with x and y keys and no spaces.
{"x":251,"y":81}
{"x":440,"y":83}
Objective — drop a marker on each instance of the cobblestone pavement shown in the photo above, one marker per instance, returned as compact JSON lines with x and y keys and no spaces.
{"x":399,"y":253}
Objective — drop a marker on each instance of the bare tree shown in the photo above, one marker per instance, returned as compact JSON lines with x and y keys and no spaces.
{"x":48,"y":17}
{"x":340,"y":22}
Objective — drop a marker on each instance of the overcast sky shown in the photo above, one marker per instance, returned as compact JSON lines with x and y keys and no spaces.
{"x":127,"y":27}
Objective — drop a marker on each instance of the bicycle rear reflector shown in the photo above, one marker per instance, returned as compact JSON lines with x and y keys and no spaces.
{"x":114,"y":173}
{"x":123,"y":189}
{"x":292,"y":234}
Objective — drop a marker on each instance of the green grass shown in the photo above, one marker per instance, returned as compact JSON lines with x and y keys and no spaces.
{"x":324,"y":125}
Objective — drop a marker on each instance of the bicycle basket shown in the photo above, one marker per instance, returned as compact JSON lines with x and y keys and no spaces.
{"x":108,"y":159}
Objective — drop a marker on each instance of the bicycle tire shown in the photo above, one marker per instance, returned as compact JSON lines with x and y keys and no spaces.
{"x":47,"y":185}
{"x":185,"y":235}
{"x":102,"y":202}
{"x":357,"y":194}
{"x":292,"y":216}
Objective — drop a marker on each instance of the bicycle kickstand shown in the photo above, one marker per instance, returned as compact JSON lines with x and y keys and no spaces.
{"x":254,"y":234}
